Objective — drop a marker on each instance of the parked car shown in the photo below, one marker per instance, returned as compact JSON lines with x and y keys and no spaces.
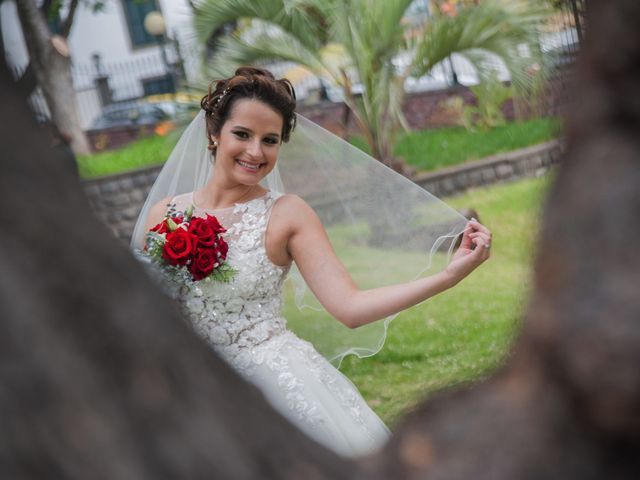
{"x":130,"y":114}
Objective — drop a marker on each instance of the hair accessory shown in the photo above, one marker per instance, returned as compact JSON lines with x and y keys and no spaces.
{"x":224,"y":92}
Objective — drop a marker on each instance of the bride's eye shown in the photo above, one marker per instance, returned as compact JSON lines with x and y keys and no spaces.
{"x":241,"y":134}
{"x":271,"y":140}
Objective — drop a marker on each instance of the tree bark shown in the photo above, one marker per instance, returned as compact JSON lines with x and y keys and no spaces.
{"x":53,"y":72}
{"x":102,"y":379}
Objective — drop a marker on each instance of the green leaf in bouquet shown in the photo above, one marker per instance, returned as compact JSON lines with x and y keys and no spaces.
{"x":171,"y":224}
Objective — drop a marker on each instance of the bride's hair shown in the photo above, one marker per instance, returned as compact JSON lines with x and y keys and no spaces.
{"x":251,"y":83}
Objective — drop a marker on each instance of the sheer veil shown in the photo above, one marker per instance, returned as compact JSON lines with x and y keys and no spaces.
{"x":383,"y":227}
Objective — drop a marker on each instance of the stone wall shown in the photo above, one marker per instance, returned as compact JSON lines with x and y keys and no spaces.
{"x":117,"y":199}
{"x":532,"y":161}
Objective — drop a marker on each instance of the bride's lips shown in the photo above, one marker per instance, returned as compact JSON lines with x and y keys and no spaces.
{"x":249,"y":167}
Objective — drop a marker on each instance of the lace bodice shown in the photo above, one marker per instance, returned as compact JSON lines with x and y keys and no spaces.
{"x":244,"y":313}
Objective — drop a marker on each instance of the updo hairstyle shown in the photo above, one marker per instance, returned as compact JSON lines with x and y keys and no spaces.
{"x":250,"y":83}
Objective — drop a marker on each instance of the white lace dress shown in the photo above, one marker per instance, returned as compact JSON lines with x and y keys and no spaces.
{"x":242,"y":321}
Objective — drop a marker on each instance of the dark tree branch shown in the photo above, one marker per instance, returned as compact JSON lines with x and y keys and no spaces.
{"x":27,"y":82}
{"x":35,"y":29}
{"x":67,"y":23}
{"x":45,"y":8}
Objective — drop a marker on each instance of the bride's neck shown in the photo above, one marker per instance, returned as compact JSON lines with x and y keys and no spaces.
{"x":218,"y":195}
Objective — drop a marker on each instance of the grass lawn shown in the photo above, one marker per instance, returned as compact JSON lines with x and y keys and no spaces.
{"x":436,"y":148}
{"x":465,"y":333}
{"x":425,"y":150}
{"x":143,"y":153}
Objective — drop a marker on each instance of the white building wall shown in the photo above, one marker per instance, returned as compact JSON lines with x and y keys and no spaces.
{"x":105,"y":33}
{"x":15,"y":48}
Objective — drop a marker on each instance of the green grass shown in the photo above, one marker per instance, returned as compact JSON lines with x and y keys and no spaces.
{"x":143,"y":153}
{"x":425,"y":150}
{"x":465,"y":333}
{"x":436,"y":148}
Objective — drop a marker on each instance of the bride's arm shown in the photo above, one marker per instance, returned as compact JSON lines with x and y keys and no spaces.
{"x":309,"y":246}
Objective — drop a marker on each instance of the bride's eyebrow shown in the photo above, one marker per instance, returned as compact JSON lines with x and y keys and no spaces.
{"x":240,"y":127}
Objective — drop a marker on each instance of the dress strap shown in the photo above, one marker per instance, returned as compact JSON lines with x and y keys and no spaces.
{"x":270,"y":198}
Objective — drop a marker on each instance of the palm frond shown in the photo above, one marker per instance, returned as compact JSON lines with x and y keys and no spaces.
{"x":370,"y":31}
{"x":357,"y":41}
{"x":305,"y":23}
{"x":268,"y":45}
{"x":494,"y":28}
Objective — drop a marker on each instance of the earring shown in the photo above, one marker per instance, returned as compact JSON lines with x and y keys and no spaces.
{"x":215,"y":144}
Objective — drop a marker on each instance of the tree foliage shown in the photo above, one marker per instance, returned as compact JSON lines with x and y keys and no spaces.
{"x":369,"y":43}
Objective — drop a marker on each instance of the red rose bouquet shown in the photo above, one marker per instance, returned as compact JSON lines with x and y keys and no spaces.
{"x":190,"y":246}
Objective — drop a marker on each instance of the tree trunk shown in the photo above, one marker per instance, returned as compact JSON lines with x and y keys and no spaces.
{"x":102,"y":379}
{"x":53,"y":72}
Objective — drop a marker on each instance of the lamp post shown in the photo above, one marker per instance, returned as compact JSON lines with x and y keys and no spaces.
{"x":102,"y":81}
{"x":155,"y":25}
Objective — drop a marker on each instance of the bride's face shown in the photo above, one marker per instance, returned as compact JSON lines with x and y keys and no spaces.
{"x":249,"y":142}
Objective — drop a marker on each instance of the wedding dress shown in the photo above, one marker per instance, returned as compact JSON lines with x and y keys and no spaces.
{"x":243,"y":323}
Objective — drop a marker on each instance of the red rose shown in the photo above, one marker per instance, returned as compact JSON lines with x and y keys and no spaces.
{"x":202,"y":230}
{"x":203,"y":263}
{"x":215,"y":225}
{"x":161,"y":227}
{"x":178,"y":247}
{"x":222,"y":248}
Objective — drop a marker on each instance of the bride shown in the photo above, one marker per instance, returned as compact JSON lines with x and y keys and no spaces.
{"x":247,"y":119}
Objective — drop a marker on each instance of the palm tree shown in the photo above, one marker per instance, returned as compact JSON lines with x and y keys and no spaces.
{"x":359,"y":41}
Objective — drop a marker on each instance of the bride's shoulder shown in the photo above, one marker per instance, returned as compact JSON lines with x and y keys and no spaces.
{"x":289,"y":202}
{"x":294,"y":211}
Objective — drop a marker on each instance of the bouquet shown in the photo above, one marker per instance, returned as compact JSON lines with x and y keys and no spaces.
{"x":190,"y":246}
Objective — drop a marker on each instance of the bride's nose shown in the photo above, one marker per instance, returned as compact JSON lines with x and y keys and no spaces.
{"x":254,"y":149}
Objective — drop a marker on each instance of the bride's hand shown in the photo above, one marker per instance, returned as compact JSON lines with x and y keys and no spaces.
{"x":474,"y":249}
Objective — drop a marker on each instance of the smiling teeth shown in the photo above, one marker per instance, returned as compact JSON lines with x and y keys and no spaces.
{"x":248,"y":165}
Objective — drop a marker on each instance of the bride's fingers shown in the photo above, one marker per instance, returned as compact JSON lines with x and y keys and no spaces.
{"x":484,"y":231}
{"x":478,"y":226}
{"x":466,"y":238}
{"x":484,"y":236}
{"x":483,"y":247}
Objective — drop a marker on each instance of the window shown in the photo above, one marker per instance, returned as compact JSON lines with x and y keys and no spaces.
{"x":158,"y":85}
{"x":135,"y":11}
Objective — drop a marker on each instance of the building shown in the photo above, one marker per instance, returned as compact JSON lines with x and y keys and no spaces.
{"x":114,"y":57}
